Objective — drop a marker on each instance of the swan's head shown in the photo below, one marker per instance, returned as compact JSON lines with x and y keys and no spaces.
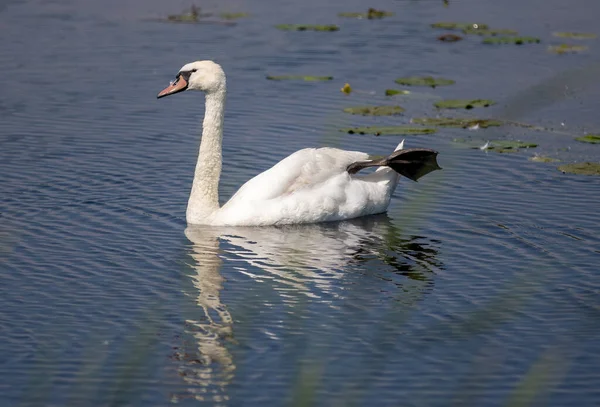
{"x":206,"y":76}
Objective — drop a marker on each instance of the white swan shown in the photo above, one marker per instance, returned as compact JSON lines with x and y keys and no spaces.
{"x":311,"y":185}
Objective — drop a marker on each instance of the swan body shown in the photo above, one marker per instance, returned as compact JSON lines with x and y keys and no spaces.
{"x":311,"y":185}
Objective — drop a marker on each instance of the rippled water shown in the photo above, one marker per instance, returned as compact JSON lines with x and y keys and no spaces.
{"x":479,"y":287}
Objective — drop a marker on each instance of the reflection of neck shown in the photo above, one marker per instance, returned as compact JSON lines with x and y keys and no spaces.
{"x":211,"y":324}
{"x":204,"y":198}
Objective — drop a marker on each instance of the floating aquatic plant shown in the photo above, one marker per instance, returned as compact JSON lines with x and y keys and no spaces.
{"x":543,"y":159}
{"x":424,"y":81}
{"x":498,"y":146}
{"x":590,"y":138}
{"x":346,"y":89}
{"x":392,"y":92}
{"x":388,"y":130}
{"x":511,"y":40}
{"x":489,"y":32}
{"x":509,"y":146}
{"x":374,"y":110}
{"x":574,"y":35}
{"x":233,"y":16}
{"x":456,"y":122}
{"x":191,"y":16}
{"x":371,"y":14}
{"x":306,"y":78}
{"x":585,"y":168}
{"x":566,"y":48}
{"x":463,"y":103}
{"x":460,"y":26}
{"x":307,"y":27}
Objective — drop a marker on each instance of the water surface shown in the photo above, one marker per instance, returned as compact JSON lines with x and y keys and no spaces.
{"x":478,"y":287}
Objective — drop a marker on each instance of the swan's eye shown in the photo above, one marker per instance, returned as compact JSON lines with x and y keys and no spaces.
{"x":194,"y":70}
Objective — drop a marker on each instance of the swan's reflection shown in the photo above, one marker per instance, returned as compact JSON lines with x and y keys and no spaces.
{"x":304,"y":259}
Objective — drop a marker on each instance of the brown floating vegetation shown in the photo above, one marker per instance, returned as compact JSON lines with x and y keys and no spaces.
{"x":424,"y":81}
{"x":543,"y":159}
{"x":307,"y":27}
{"x":567,"y":49}
{"x":389,"y":130}
{"x":392,"y":92}
{"x":375,"y":110}
{"x":191,"y":16}
{"x":465,"y":123}
{"x":585,"y":168}
{"x":371,"y":14}
{"x":489,"y":32}
{"x":511,"y":40}
{"x":463,"y":103}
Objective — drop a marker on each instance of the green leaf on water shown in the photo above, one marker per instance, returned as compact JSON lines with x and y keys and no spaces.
{"x":371,"y":14}
{"x":424,"y":81}
{"x":590,"y":138}
{"x":566,"y":48}
{"x":456,"y":122}
{"x":585,"y":168}
{"x":511,"y":40}
{"x":233,"y":16}
{"x":460,"y":26}
{"x":306,"y":78}
{"x":392,"y":92}
{"x":503,"y":146}
{"x":374,"y":110}
{"x":307,"y":27}
{"x":387,"y":130}
{"x":463,"y":103}
{"x":490,"y":32}
{"x":542,"y":159}
{"x":574,"y":35}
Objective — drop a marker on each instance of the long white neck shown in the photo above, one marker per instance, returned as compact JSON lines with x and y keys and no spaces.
{"x":204,"y":198}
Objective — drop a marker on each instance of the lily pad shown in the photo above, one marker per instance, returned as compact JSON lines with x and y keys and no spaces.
{"x":574,"y":35}
{"x":566,"y":48}
{"x":307,"y":27}
{"x":460,"y":26}
{"x":590,"y":138}
{"x":387,"y":130}
{"x":489,"y":32}
{"x":347,"y":89}
{"x":586,"y":168}
{"x":505,"y":146}
{"x":392,"y":92}
{"x":374,"y":110}
{"x":188,"y":17}
{"x":511,"y":40}
{"x":424,"y":81}
{"x":542,"y":159}
{"x":449,"y":38}
{"x":299,"y":78}
{"x":463,"y":103}
{"x":456,"y":122}
{"x":233,"y":16}
{"x":371,"y":14}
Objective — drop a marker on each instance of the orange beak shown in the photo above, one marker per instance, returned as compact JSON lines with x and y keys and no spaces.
{"x":179,"y":85}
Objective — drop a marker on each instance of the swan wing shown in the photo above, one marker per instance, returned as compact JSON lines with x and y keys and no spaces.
{"x":303,"y":170}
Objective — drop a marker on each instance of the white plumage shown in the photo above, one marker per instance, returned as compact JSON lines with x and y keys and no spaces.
{"x":311,"y":185}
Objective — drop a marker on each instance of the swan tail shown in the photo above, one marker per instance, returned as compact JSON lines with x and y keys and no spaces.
{"x":413,"y":163}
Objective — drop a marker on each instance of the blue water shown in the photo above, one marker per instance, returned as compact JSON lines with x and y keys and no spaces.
{"x":479,"y":286}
